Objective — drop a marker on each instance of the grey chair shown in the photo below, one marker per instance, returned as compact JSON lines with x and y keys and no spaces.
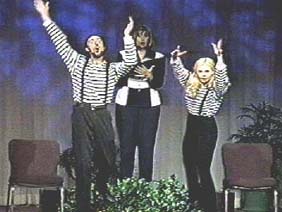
{"x":33,"y":165}
{"x":248,"y":167}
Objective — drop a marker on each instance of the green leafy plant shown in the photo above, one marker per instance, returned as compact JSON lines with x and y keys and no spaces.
{"x":70,"y":204}
{"x":67,"y":161}
{"x":134,"y":195}
{"x":137,"y":195}
{"x":130,"y":195}
{"x":263,"y":124}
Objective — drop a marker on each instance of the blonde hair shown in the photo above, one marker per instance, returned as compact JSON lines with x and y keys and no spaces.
{"x":193,"y":84}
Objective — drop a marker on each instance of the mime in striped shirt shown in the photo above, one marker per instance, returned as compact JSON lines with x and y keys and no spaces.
{"x":93,"y":81}
{"x":204,"y":88}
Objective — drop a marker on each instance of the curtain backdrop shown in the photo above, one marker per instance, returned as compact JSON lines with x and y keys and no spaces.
{"x":35,"y":88}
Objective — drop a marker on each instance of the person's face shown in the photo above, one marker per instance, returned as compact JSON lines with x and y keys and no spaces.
{"x":204,"y":73}
{"x":96,"y":46}
{"x":142,"y":39}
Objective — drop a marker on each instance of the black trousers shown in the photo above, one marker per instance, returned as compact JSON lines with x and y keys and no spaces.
{"x":198,"y":148}
{"x":93,"y":142}
{"x":137,"y":126}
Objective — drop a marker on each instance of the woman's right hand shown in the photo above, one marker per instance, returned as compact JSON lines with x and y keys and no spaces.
{"x":129,"y":27}
{"x":43,"y":9}
{"x":176,"y":53}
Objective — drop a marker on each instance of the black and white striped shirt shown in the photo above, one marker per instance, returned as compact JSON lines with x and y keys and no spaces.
{"x":208,"y":100}
{"x":94,"y":91}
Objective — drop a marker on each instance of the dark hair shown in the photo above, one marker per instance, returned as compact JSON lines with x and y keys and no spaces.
{"x":100,"y":36}
{"x":144,"y":28}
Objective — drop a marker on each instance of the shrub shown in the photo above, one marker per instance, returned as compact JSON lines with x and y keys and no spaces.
{"x":137,"y":195}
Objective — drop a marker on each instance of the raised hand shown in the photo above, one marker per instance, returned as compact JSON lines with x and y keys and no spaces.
{"x":217,"y":48}
{"x":177,"y":53}
{"x":145,"y":72}
{"x":129,"y":27}
{"x":43,"y":9}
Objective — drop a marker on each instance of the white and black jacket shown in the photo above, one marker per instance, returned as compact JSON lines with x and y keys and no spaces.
{"x":137,"y":91}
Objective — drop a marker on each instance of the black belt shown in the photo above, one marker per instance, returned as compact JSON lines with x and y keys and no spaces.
{"x":89,"y":106}
{"x":138,"y":78}
{"x":200,"y":117}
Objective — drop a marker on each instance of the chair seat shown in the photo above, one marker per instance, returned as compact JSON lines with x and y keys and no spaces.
{"x":34,"y":164}
{"x":250,"y":182}
{"x":38,"y":181}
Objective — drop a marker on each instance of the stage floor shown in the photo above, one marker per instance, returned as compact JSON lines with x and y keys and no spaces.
{"x":34,"y":209}
{"x":22,"y":209}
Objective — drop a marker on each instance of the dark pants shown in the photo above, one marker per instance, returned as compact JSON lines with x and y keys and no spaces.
{"x":93,"y":141}
{"x":198,"y":148}
{"x":137,"y":126}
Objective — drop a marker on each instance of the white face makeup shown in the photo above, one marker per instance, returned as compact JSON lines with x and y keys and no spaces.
{"x":204,"y":73}
{"x":96,"y":46}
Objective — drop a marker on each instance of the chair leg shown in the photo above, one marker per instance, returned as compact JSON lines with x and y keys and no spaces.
{"x":226,"y":192}
{"x":26,"y":196}
{"x":8,"y":198}
{"x":62,"y":198}
{"x":13,"y":189}
{"x":275,"y":201}
{"x":40,"y":196}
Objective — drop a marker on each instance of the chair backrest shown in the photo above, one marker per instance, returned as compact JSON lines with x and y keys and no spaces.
{"x":247,"y":160}
{"x":33,"y":158}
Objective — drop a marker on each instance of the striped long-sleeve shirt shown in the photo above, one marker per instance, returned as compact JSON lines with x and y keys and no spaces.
{"x":208,"y":100}
{"x":95,"y":75}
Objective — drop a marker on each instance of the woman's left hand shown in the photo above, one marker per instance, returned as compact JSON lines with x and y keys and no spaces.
{"x":217,"y":48}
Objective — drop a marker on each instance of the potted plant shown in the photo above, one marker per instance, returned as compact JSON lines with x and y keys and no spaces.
{"x":131,"y":195}
{"x":263,"y":124}
{"x":134,"y":195}
{"x":137,"y":195}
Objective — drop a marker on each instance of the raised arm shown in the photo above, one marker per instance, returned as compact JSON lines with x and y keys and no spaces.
{"x":43,"y":9}
{"x":67,"y":53}
{"x":221,"y":77}
{"x":181,"y":73}
{"x":130,"y":56}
